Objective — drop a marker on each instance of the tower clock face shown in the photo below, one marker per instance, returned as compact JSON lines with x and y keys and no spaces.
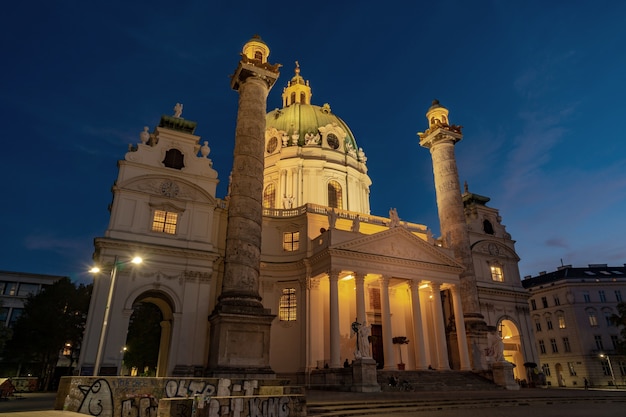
{"x":333,"y":141}
{"x":169,"y":189}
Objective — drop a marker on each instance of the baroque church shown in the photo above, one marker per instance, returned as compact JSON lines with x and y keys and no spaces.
{"x":326,"y":263}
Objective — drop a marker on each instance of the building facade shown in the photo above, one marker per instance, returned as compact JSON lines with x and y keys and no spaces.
{"x":571,"y":309}
{"x":327,"y":263}
{"x":15,"y":287}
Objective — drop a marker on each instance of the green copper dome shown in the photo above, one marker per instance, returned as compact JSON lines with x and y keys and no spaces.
{"x":306,"y":118}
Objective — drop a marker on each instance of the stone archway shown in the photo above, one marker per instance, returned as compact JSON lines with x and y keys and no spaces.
{"x":164,"y":306}
{"x":512,"y":346}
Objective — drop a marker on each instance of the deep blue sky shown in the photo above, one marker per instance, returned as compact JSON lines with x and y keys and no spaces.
{"x":539,"y":87}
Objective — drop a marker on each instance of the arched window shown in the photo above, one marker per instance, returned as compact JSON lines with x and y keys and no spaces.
{"x":496,"y":273}
{"x":174,"y":159}
{"x":334,"y":195}
{"x":293,"y":98}
{"x":258,"y":55}
{"x":269,"y":196}
{"x":302,"y":98}
{"x":288,"y":304}
{"x":487,"y":227}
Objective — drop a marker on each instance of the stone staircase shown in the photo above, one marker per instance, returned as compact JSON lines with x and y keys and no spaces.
{"x":436,"y":381}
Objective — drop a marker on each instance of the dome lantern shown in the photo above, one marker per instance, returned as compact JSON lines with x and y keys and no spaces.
{"x":256,"y":49}
{"x":297,"y":90}
{"x":437,"y":115}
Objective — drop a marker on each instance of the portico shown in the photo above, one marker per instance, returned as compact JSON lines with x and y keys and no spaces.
{"x":397,"y":297}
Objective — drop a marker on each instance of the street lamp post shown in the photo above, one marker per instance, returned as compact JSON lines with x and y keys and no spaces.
{"x":107,"y":309}
{"x":608,"y":359}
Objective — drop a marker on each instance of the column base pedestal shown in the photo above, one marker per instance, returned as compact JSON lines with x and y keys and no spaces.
{"x":503,"y":375}
{"x":364,"y":376}
{"x":240,"y":343}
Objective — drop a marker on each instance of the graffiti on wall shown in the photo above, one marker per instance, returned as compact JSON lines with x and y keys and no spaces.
{"x":139,"y":397}
{"x":98,"y":399}
{"x":225,"y":388}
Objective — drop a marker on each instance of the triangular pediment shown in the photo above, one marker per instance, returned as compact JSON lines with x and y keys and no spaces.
{"x":397,"y":243}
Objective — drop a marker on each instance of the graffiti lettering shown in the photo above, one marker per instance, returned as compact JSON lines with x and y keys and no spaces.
{"x":270,"y":407}
{"x":140,"y":407}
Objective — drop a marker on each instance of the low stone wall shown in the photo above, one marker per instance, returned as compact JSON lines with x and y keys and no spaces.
{"x":180,"y":397}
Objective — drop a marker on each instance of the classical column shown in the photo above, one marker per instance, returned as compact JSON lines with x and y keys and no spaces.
{"x":418,"y":329}
{"x":335,"y":336}
{"x":460,"y":330}
{"x":359,"y":280}
{"x":240,"y":325}
{"x":390,"y":361}
{"x":440,"y":138}
{"x":164,"y":348}
{"x":440,"y":331}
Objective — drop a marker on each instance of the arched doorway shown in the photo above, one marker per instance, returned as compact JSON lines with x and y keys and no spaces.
{"x":149,"y":336}
{"x":559,"y":375}
{"x":512,"y":347}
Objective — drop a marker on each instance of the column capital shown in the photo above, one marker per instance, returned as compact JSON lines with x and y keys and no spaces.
{"x":384,"y":280}
{"x":313,"y":283}
{"x":333,"y":274}
{"x":246,"y":71}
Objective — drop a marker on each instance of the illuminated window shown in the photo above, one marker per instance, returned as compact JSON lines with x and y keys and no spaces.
{"x":593,"y":320}
{"x":561,"y":321}
{"x":164,"y":222}
{"x":496,"y":273}
{"x":334,"y":195}
{"x":291,"y":241}
{"x":269,"y":196}
{"x":287,"y":308}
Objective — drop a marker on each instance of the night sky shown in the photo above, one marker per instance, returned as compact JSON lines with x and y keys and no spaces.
{"x":539,"y":87}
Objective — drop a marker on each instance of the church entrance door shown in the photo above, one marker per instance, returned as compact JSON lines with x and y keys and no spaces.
{"x":377,"y":345}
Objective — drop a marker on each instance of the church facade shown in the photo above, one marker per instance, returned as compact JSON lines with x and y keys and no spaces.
{"x":328,"y":266}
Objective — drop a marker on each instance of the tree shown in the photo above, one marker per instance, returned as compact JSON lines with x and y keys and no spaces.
{"x":144,"y":336}
{"x":50,"y":319}
{"x":619,"y":320}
